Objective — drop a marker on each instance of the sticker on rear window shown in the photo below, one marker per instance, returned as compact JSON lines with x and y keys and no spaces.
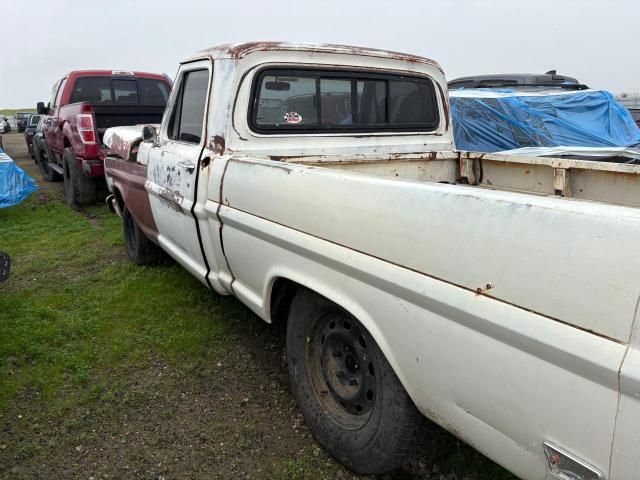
{"x":292,"y":117}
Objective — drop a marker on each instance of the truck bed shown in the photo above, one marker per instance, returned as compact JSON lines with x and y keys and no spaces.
{"x":503,"y":217}
{"x":108,"y":116}
{"x":607,"y":182}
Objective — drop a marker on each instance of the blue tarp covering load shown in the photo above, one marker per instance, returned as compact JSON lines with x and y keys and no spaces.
{"x":495,"y":120}
{"x":15,"y":184}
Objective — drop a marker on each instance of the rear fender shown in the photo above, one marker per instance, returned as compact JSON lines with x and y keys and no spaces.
{"x":338,"y":296}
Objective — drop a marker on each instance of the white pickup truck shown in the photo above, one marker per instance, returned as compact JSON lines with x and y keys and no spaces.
{"x":494,"y":295}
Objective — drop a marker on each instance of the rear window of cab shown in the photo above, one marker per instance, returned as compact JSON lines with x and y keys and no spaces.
{"x":108,"y":90}
{"x":320,"y":101}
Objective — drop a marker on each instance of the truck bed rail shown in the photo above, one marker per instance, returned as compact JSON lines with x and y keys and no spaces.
{"x":607,"y":182}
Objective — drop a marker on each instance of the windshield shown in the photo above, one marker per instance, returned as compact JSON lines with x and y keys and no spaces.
{"x":33,"y":120}
{"x":121,"y":91}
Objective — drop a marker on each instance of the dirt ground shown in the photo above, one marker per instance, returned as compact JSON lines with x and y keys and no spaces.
{"x":227,"y":414}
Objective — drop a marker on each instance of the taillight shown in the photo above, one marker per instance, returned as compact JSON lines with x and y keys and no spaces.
{"x":86,"y":128}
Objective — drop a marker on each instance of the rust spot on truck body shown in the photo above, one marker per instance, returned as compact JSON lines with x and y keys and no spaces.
{"x":124,"y":148}
{"x":217,"y":145}
{"x":241,"y":50}
{"x":172,"y":199}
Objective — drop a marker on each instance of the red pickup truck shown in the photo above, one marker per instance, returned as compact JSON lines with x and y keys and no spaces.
{"x":82,"y":106}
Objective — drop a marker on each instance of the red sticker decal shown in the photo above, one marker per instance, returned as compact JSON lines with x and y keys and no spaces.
{"x":292,"y":117}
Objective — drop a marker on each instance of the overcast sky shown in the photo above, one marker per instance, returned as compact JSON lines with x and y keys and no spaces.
{"x":596,"y":41}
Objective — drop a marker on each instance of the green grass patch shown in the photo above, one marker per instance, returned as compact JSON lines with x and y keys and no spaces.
{"x":74,"y":307}
{"x":10,"y":112}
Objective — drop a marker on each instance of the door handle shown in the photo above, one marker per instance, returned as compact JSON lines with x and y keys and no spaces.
{"x":187,"y":165}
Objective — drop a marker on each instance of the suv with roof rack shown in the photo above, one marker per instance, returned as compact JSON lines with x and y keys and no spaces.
{"x":517,"y":80}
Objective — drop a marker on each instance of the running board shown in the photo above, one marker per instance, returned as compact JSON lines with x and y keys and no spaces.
{"x":56,"y":168}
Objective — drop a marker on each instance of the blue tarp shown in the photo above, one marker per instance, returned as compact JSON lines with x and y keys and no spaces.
{"x":15,"y":184}
{"x":494,"y":120}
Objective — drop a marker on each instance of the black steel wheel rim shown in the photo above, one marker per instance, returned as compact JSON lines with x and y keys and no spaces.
{"x":342,"y":369}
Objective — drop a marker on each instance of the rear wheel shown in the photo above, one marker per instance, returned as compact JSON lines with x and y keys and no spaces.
{"x":79,"y":189}
{"x":348,"y":393}
{"x":140,"y":249}
{"x":42,"y":158}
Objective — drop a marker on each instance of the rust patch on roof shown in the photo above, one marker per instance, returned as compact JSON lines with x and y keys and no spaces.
{"x":241,"y":50}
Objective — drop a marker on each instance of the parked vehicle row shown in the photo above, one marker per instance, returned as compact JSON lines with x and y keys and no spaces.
{"x":5,"y":127}
{"x":83,"y":104}
{"x":33,"y":124}
{"x":22,"y":119}
{"x":495,"y":295}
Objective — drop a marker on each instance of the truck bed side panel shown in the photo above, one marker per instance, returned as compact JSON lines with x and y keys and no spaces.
{"x":542,"y":254}
{"x":501,"y":377}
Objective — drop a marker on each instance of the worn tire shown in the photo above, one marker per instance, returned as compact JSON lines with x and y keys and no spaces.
{"x":79,"y":189}
{"x":371,"y":426}
{"x":140,"y":249}
{"x":36,"y":150}
{"x":42,"y":159}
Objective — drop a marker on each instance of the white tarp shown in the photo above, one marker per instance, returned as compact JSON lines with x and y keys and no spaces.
{"x":594,"y":152}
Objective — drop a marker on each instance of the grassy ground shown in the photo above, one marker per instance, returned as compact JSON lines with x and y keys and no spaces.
{"x":108,"y":370}
{"x":10,"y":112}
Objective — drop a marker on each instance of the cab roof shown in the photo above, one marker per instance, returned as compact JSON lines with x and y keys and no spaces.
{"x":240,"y":50}
{"x":114,"y":73}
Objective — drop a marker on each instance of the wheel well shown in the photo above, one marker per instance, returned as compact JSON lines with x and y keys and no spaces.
{"x":281,"y":296}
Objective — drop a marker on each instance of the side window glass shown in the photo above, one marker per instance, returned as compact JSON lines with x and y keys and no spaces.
{"x":60,"y":90}
{"x":187,"y":117}
{"x":174,"y":121}
{"x":54,"y":91}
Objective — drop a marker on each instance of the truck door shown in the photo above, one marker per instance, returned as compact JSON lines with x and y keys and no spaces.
{"x":47,"y":124}
{"x":52,"y":128}
{"x":173,"y":167}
